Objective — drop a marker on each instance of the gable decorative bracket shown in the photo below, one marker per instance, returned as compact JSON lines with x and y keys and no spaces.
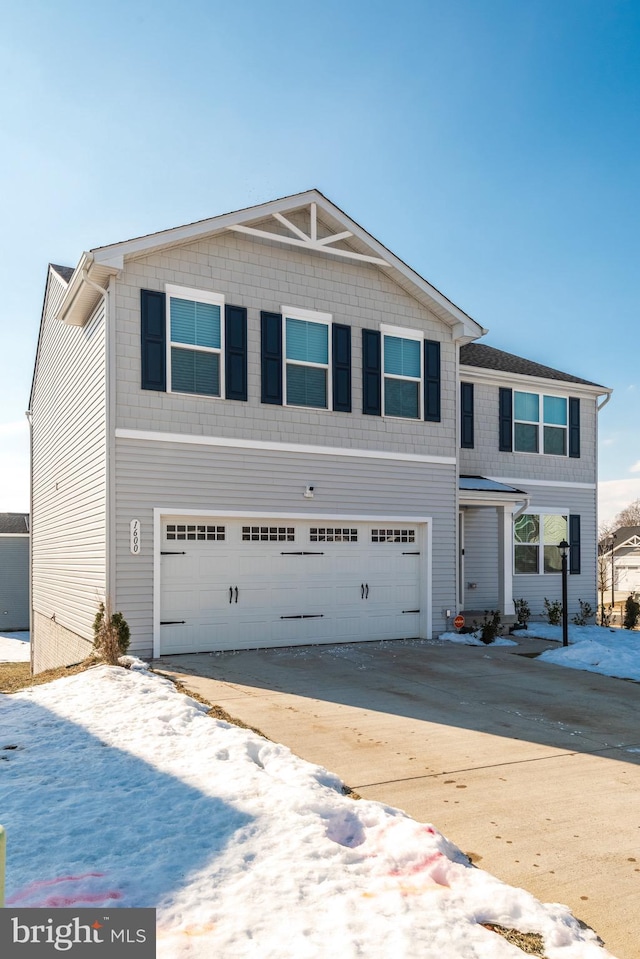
{"x":309,"y":241}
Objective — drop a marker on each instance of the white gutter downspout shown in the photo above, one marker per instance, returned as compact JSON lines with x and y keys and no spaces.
{"x":604,"y":402}
{"x":523,"y":509}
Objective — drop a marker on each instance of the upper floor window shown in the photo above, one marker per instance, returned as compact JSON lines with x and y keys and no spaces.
{"x":539,"y":423}
{"x":307,"y":358}
{"x":402,"y":365}
{"x":195,"y":341}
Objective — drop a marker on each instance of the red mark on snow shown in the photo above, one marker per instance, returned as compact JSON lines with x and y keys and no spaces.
{"x":43,"y":883}
{"x":420,"y":866}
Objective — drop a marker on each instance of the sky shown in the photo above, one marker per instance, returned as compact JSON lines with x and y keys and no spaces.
{"x":491,"y":144}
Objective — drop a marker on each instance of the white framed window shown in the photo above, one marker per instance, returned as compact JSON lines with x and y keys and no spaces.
{"x":536,"y":542}
{"x":195,"y":341}
{"x":540,"y":423}
{"x":402,"y":365}
{"x":307,"y":358}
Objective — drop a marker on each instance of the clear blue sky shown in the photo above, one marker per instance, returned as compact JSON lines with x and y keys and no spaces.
{"x":492,"y":144}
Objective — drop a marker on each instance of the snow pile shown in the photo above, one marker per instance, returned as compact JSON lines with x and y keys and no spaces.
{"x":119,"y":791}
{"x":597,"y":649}
{"x":14,"y":647}
{"x":473,"y":639}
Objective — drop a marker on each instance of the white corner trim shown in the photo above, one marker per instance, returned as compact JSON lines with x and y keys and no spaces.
{"x":196,"y":440}
{"x":522,"y":481}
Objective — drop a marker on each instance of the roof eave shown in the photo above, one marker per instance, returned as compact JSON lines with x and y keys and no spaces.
{"x":81,"y":297}
{"x":463,"y":326}
{"x":527,"y":379}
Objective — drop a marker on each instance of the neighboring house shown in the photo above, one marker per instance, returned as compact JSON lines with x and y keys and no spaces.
{"x":247,"y":432}
{"x":623,"y":548}
{"x":14,"y":571}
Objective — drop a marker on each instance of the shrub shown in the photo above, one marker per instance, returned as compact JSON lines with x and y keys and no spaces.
{"x":586,"y":613}
{"x":490,"y":626}
{"x":523,"y":611}
{"x":111,"y":634}
{"x":631,"y":613}
{"x":605,"y":615}
{"x":553,"y":611}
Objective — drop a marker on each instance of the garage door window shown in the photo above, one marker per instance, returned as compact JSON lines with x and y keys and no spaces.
{"x":268,"y":534}
{"x":195,"y":532}
{"x":330,"y":534}
{"x":393,"y":535}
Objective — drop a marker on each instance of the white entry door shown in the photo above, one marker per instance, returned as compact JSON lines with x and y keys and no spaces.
{"x":243,"y":584}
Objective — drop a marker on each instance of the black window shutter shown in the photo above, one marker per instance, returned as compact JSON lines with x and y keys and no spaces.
{"x":506,"y":420}
{"x":153,"y":336}
{"x":341,"y":359}
{"x":371,"y":373}
{"x":235,"y":345}
{"x":574,"y":543}
{"x":466,"y":408}
{"x":432,"y":381}
{"x":574,"y":426}
{"x":271,"y":353}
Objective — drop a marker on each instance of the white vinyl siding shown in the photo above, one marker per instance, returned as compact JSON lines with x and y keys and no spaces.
{"x":68,"y":522}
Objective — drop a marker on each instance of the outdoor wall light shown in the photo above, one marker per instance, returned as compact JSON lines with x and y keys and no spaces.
{"x":308,"y":493}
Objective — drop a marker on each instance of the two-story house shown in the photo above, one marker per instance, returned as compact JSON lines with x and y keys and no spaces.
{"x":265,"y":429}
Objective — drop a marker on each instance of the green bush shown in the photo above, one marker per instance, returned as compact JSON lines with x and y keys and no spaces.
{"x":631,"y":613}
{"x":586,"y":613}
{"x":490,"y":626}
{"x":523,"y":611}
{"x":553,"y":611}
{"x":111,"y":634}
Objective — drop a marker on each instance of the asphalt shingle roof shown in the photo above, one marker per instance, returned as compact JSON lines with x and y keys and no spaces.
{"x":14,"y":523}
{"x":489,"y":358}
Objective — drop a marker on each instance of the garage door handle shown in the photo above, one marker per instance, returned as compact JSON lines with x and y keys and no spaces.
{"x":231,"y":594}
{"x":236,"y":594}
{"x":361,"y":590}
{"x":366,"y":591}
{"x":301,"y":552}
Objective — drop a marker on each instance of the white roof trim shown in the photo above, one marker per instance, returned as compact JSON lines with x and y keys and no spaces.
{"x":537,"y":383}
{"x":443,"y":308}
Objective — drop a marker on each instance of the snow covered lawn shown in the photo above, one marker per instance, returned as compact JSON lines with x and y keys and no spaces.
{"x":117,"y":790}
{"x":14,"y":647}
{"x":598,"y":649}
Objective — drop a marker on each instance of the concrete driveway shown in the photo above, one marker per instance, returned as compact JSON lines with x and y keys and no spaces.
{"x":533,"y":770}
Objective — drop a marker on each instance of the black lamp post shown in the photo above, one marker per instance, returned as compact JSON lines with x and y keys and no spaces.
{"x":563,"y":546}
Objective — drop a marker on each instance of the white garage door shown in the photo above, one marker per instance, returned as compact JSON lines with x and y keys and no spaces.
{"x":244,"y":584}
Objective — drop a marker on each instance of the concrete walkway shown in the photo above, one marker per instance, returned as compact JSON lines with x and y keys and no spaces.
{"x":533,"y":770}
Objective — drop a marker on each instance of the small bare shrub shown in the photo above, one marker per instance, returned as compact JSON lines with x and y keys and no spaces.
{"x":631,"y":613}
{"x":523,"y":611}
{"x":111,"y":634}
{"x":586,"y":613}
{"x":553,"y":611}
